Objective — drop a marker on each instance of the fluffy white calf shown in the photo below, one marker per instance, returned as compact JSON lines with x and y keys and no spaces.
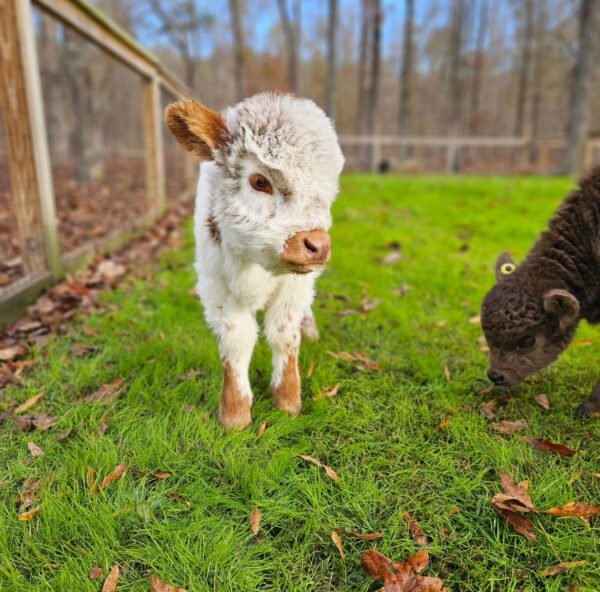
{"x":267,"y":181}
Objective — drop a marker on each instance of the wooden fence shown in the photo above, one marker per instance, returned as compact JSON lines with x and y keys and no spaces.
{"x":483,"y":155}
{"x":29,"y":176}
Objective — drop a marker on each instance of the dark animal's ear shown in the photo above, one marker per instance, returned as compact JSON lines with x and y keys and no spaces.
{"x":563,"y":306}
{"x":504,"y":266}
{"x":197,"y":128}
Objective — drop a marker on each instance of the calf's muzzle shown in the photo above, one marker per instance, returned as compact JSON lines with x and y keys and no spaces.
{"x":305,"y":251}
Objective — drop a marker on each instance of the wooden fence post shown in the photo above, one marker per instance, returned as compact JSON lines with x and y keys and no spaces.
{"x":27,"y":143}
{"x":153,"y":140}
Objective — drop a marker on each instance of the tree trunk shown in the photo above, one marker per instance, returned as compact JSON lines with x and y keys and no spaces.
{"x":524,"y":68}
{"x":455,"y":123}
{"x":407,"y":67}
{"x":362,"y":65}
{"x":289,"y":32}
{"x":331,"y":59}
{"x":239,"y":51}
{"x":578,"y":117}
{"x":475,"y":98}
{"x":538,"y":80}
{"x":373,"y":89}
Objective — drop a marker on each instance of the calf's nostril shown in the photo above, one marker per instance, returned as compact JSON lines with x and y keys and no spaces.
{"x":311,"y":246}
{"x":495,"y":377}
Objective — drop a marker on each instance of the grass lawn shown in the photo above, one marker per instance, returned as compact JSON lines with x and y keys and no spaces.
{"x":381,"y":432}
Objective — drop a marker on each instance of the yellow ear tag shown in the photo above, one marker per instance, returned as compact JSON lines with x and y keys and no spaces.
{"x":507,"y":268}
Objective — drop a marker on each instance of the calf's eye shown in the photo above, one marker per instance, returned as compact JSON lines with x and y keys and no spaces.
{"x":527,"y":342}
{"x":260,"y":183}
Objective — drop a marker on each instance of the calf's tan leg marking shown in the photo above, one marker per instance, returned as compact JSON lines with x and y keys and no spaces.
{"x":234,"y":412}
{"x":287,"y":391}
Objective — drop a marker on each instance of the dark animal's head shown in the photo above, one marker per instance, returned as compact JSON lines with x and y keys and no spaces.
{"x":526,"y":325}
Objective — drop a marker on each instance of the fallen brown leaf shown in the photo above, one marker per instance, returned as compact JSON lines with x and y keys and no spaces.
{"x":447,"y":373}
{"x":255,"y":518}
{"x":509,"y":427}
{"x":114,"y":475}
{"x":401,"y":577}
{"x":476,"y":320}
{"x":547,"y":446}
{"x":520,"y":523}
{"x":328,"y":393}
{"x":311,"y":368}
{"x":159,"y":586}
{"x":575,"y":509}
{"x":512,"y":503}
{"x":415,"y":529}
{"x":107,"y":393}
{"x":330,"y":472}
{"x":13,"y":352}
{"x":96,"y":572}
{"x":370,"y":364}
{"x":368,"y":305}
{"x":337,"y":541}
{"x":110,"y":584}
{"x":392,"y":258}
{"x":489,"y":409}
{"x":29,"y":403}
{"x":180,"y":498}
{"x":262,"y":429}
{"x":30,"y":514}
{"x":543,"y":401}
{"x":34,"y":449}
{"x":561,"y":567}
{"x":90,"y":480}
{"x":161,"y":475}
{"x":369,"y":536}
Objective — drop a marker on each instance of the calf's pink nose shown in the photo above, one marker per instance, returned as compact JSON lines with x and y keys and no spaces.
{"x":318,"y":246}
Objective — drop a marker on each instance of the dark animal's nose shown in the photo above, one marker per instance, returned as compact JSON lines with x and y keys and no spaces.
{"x":495,"y":377}
{"x":317,"y":245}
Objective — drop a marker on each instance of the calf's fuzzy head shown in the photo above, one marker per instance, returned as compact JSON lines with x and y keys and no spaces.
{"x":274,"y":165}
{"x":527,"y":326}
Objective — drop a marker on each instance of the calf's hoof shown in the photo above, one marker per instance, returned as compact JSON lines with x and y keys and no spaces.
{"x":237,"y":416}
{"x":291,"y":406}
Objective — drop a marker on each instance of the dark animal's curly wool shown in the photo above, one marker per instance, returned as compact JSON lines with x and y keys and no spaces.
{"x":530,"y":316}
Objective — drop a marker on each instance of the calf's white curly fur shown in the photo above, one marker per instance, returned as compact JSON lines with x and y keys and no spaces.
{"x":269,"y":175}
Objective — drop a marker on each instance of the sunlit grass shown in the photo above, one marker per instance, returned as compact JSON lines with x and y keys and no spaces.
{"x":380,"y":433}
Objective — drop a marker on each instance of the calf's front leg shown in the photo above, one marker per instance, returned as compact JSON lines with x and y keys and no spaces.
{"x":237,"y":331}
{"x":282,"y":329}
{"x":591,"y":405}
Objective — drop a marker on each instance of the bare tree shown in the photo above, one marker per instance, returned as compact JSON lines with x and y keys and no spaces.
{"x":290,"y":32}
{"x":578,"y":117}
{"x":539,"y":69}
{"x":406,"y":73}
{"x":524,"y":67}
{"x":478,"y":62}
{"x":374,"y":73}
{"x":239,"y":50}
{"x":362,"y":62}
{"x":331,"y":59}
{"x":455,"y":62}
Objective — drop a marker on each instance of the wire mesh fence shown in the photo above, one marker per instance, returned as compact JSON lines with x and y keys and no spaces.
{"x":84,"y":156}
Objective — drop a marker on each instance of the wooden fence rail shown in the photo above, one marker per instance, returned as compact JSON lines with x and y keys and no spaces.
{"x":27,"y":145}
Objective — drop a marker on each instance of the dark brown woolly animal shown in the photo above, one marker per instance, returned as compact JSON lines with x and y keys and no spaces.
{"x":530,"y":316}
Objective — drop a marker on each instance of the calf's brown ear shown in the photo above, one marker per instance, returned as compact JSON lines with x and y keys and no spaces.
{"x":562,"y":305}
{"x":197,"y":128}
{"x":504,"y":266}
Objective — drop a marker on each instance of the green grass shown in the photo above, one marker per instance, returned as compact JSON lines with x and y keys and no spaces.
{"x":380,"y":433}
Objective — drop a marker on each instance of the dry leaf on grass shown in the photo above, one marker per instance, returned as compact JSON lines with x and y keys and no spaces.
{"x":107,"y":393}
{"x":401,"y":577}
{"x":476,"y":320}
{"x":114,"y":475}
{"x":509,"y":427}
{"x":359,"y":359}
{"x":34,"y":449}
{"x":40,"y":421}
{"x":311,"y":368}
{"x":415,"y":529}
{"x":562,"y":567}
{"x":392,"y":257}
{"x":447,"y":373}
{"x":96,"y":572}
{"x":547,"y":446}
{"x":110,"y":584}
{"x":161,"y":475}
{"x":330,"y":472}
{"x":159,"y":586}
{"x":262,"y":429}
{"x":337,"y":541}
{"x":514,"y":502}
{"x":369,"y":364}
{"x":30,"y":514}
{"x":90,"y":480}
{"x":368,"y":305}
{"x":575,"y":509}
{"x":28,"y":404}
{"x":255,"y":518}
{"x":8,"y":354}
{"x":369,"y":536}
{"x":180,"y":498}
{"x":328,"y":393}
{"x":543,"y":401}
